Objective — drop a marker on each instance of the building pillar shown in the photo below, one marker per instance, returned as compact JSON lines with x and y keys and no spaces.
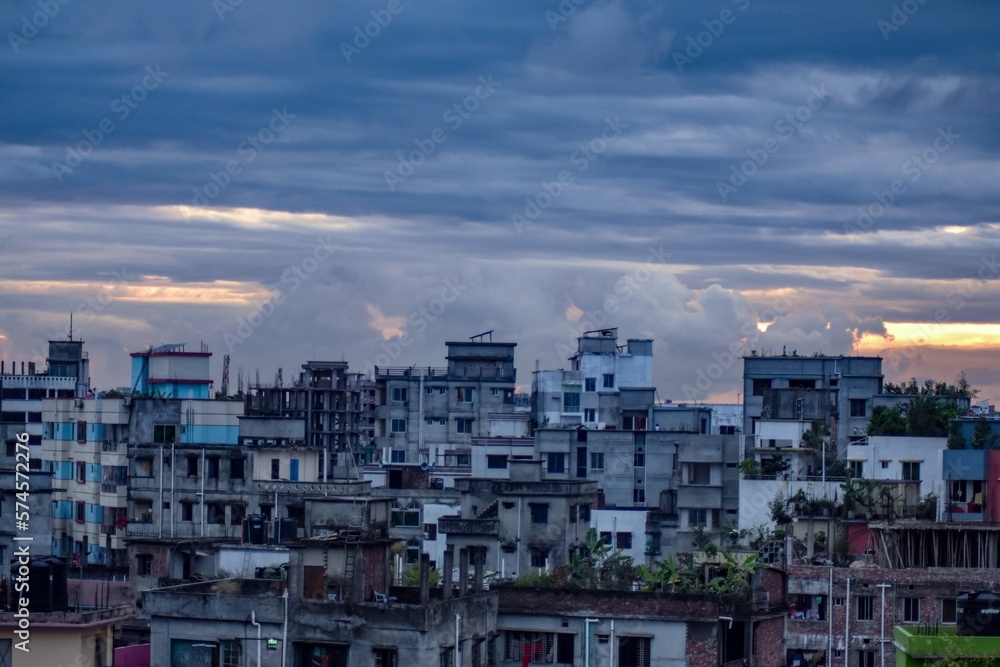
{"x":463,"y":571}
{"x":449,"y":565}
{"x":425,"y":568}
{"x":479,"y":560}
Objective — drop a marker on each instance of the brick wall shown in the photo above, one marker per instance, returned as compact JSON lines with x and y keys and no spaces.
{"x":769,"y":643}
{"x":702,"y":648}
{"x":520,"y":599}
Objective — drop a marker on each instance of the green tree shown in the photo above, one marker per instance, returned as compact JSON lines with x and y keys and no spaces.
{"x":887,"y":421}
{"x":983,"y":436}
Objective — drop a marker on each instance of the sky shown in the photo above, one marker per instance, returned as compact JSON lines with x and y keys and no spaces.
{"x":364,"y":181}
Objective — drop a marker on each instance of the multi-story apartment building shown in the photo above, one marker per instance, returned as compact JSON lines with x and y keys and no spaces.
{"x":336,"y":409}
{"x":432,"y":415}
{"x":607,"y":385}
{"x":67,"y":375}
{"x":836,"y":390}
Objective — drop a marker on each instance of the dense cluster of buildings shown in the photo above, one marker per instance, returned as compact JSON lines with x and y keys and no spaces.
{"x":436,"y":515}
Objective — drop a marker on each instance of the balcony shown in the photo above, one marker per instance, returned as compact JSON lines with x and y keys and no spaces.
{"x":181,"y":529}
{"x":454,"y":525}
{"x":337,"y":488}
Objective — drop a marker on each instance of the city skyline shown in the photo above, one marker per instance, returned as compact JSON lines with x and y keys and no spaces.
{"x":366,"y":183}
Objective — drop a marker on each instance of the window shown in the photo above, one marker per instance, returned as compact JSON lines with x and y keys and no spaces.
{"x":866,"y":608}
{"x":81,"y":431}
{"x":232,"y":653}
{"x":759,"y":385}
{"x":727,"y":429}
{"x":144,"y":565}
{"x":539,"y":558}
{"x":144,"y":466}
{"x":638,"y":496}
{"x":838,"y":602}
{"x":609,"y":380}
{"x":590,"y":384}
{"x":405,"y":515}
{"x":633,"y":651}
{"x":496,"y":461}
{"x":911,"y":610}
{"x":948,"y":612}
{"x":216,"y":513}
{"x":463,"y":459}
{"x":464,"y":394}
{"x":537,"y":646}
{"x":398,"y":426}
{"x":430,"y":531}
{"x":539,"y":512}
{"x":81,"y":471}
{"x":699,"y":473}
{"x":911,"y":471}
{"x":399,"y":394}
{"x":81,"y":511}
{"x":463,"y":425}
{"x":236,"y":468}
{"x":639,"y":458}
{"x":571,"y":401}
{"x":697,"y":518}
{"x":413,"y":551}
{"x":397,"y":456}
{"x":275,"y":468}
{"x":623,"y":540}
{"x":584,"y":512}
{"x":192,"y":465}
{"x":856,"y":468}
{"x":212,"y":467}
{"x":384,"y":657}
{"x":866,"y":658}
{"x":187,"y":511}
{"x":885,"y":465}
{"x":589,"y":415}
{"x":447,"y":657}
{"x":164,"y":434}
{"x":556,"y":462}
{"x":597,"y":461}
{"x":859,"y":407}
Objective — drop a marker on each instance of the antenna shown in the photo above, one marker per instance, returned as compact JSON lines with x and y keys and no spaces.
{"x":225,"y":375}
{"x":71,"y":326}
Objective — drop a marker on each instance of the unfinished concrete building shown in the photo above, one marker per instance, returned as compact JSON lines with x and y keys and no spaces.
{"x":334,"y":406}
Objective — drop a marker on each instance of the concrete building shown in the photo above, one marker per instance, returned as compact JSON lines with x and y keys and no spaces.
{"x":528,"y":523}
{"x":67,"y":375}
{"x":607,"y":386}
{"x":37,"y":496}
{"x":906,"y":458}
{"x":336,"y":409}
{"x":432,"y":415}
{"x":837,"y":390}
{"x":170,"y":371}
{"x":847,"y":616}
{"x":84,"y":446}
{"x":638,"y":629}
{"x":684,"y":480}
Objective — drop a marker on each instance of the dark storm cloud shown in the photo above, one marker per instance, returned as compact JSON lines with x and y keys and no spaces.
{"x":417,"y":133}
